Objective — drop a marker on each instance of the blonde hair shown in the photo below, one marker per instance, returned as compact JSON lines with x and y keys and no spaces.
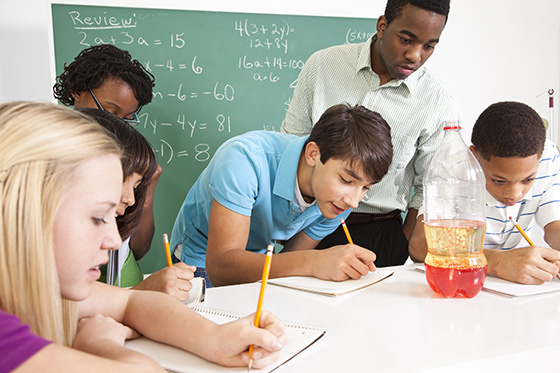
{"x":41,"y":145}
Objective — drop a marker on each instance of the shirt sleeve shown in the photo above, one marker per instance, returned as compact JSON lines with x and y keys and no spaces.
{"x":235,"y":179}
{"x":549,"y":206}
{"x":17,"y":343}
{"x":299,"y":118}
{"x":428,"y":143}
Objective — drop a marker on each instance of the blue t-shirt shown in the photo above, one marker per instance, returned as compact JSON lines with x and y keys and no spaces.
{"x":253,"y":174}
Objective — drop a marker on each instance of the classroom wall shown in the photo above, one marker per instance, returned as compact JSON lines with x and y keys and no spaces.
{"x":491,"y":50}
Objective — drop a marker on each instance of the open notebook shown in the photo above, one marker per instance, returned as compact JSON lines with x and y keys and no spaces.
{"x":330,"y":288}
{"x":176,"y":360}
{"x":500,"y":286}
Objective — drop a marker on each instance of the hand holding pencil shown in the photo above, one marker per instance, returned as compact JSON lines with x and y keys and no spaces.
{"x":527,"y":238}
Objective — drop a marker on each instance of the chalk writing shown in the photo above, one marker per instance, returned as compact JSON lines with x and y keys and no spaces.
{"x":102,"y":22}
{"x":127,"y":39}
{"x":355,"y":36}
{"x":279,"y":63}
{"x":166,"y":152}
{"x":246,"y":28}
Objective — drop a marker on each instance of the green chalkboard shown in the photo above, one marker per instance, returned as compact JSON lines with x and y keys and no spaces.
{"x":218,"y":75}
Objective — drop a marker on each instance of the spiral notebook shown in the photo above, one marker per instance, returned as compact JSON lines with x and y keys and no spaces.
{"x":331,"y":288}
{"x":176,"y":360}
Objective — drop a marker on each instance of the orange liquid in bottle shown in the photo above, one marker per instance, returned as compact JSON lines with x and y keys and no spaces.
{"x":455,"y":264}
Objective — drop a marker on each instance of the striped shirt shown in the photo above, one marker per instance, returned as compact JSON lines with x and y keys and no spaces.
{"x":540,"y":204}
{"x":415,"y":109}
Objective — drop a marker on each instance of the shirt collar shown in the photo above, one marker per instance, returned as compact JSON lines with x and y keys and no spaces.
{"x":364,"y":62}
{"x":284,"y":184}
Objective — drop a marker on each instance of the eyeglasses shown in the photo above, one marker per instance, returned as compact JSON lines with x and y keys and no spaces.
{"x":134,"y":121}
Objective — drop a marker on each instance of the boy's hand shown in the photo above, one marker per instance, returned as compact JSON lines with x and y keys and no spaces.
{"x":343,"y":262}
{"x":525,"y":265}
{"x":174,"y":280}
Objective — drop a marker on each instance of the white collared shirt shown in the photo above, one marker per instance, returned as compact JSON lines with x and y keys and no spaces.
{"x":415,"y":109}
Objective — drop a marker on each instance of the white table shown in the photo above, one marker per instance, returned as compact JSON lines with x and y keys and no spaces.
{"x":401,"y":325}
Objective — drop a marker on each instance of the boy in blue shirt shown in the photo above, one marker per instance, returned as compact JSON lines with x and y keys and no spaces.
{"x":266,"y":187}
{"x":522,"y":181}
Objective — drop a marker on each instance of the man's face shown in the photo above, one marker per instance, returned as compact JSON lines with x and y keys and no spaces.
{"x":407,"y":42}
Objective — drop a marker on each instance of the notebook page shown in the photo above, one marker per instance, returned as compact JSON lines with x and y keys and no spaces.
{"x":330,"y":288}
{"x":177,"y":360}
{"x":501,"y":286}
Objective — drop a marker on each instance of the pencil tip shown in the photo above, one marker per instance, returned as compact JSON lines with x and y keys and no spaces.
{"x":249,"y":365}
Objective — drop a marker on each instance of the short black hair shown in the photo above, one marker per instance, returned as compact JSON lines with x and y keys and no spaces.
{"x":94,"y":65}
{"x":393,"y":9}
{"x":509,"y":129}
{"x":354,"y":134}
{"x":138,"y":157}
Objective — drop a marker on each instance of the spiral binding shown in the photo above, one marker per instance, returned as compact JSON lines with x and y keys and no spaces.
{"x":237,"y":315}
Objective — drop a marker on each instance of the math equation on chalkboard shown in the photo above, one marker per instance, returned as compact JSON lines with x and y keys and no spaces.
{"x":217,"y":74}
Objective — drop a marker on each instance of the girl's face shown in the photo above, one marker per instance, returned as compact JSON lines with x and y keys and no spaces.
{"x":127,"y":195}
{"x":85,"y":226}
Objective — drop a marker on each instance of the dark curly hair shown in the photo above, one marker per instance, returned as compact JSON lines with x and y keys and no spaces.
{"x":98,"y":63}
{"x":138,"y":157}
{"x":393,"y":9}
{"x":509,"y":129}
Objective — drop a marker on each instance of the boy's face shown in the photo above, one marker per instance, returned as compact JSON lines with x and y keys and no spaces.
{"x":509,"y":179}
{"x":337,"y":187}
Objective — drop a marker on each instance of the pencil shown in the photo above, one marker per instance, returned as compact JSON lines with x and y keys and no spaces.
{"x":264,"y":280}
{"x":346,"y":231}
{"x":521,"y":231}
{"x":167,"y":251}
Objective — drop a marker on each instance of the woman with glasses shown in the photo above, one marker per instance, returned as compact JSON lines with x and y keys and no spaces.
{"x":107,"y":78}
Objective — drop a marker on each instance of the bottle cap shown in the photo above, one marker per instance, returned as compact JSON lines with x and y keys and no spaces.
{"x":454,"y":127}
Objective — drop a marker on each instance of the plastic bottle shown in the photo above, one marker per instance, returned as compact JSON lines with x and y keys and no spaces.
{"x":454,"y":218}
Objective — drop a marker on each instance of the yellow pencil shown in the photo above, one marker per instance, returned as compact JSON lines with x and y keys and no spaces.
{"x":521,"y":231}
{"x":264,"y":280}
{"x":167,"y":251}
{"x":346,"y":231}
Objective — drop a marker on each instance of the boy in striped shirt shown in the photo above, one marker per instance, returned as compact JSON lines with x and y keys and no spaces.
{"x":523,"y":181}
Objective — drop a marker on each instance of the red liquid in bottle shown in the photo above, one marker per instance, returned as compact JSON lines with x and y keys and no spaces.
{"x":455,"y":264}
{"x":451,"y":282}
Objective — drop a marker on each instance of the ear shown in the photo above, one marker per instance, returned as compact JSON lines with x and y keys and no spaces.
{"x":312,"y":154}
{"x":77,"y":96}
{"x":473,"y":150}
{"x":381,"y":27}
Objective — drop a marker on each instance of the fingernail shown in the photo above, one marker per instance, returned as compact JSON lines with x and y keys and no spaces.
{"x":256,"y":355}
{"x":276,"y":346}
